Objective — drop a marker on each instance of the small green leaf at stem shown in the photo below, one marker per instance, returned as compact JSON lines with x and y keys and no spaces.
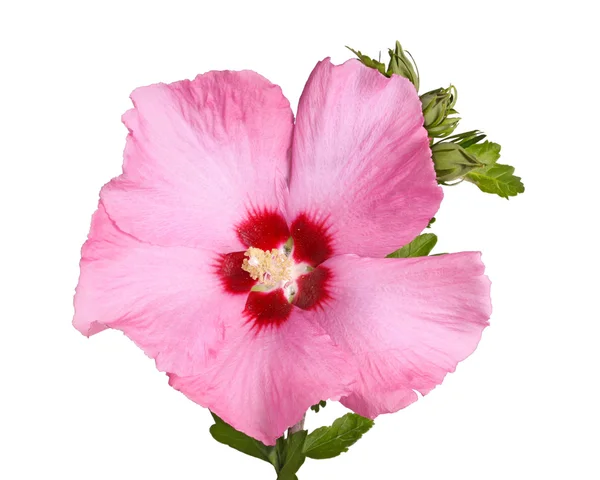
{"x":224,"y":433}
{"x":294,"y":456}
{"x":419,"y":247}
{"x":322,"y":404}
{"x":329,"y":442}
{"x":280,"y":450}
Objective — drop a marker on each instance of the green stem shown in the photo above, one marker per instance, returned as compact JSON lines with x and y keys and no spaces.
{"x":296,"y":428}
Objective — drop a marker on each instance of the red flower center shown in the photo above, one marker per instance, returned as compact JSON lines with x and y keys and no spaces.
{"x":267,"y":230}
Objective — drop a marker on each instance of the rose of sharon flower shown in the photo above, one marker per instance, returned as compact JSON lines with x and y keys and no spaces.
{"x":245,"y":252}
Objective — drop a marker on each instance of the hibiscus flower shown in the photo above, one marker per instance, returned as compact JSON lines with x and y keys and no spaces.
{"x":245,"y":252}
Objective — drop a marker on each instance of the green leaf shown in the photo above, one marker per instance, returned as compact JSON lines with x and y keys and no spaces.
{"x":278,"y":454}
{"x":493,"y":177}
{"x":329,"y":442}
{"x":224,"y":433}
{"x":294,"y":456}
{"x":419,"y":247}
{"x":322,"y":404}
{"x":498,"y":179}
{"x":472,"y":141}
{"x":486,"y":152}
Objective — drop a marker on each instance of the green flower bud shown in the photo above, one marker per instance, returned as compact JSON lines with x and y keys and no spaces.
{"x":452,"y":162}
{"x":438,"y":105}
{"x":445,"y":128}
{"x":401,"y":65}
{"x":369,"y":62}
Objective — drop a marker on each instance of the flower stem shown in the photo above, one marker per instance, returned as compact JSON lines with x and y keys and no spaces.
{"x":296,"y":428}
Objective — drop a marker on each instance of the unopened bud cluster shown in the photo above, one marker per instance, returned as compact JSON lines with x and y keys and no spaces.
{"x":452,"y":157}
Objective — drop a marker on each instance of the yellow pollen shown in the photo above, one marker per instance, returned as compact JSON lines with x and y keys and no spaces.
{"x":269,"y":268}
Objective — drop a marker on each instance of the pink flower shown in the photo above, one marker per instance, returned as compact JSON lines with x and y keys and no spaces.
{"x":189,"y":251}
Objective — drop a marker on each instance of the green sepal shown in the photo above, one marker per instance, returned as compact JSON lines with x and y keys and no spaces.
{"x":292,"y":455}
{"x":421,"y":246}
{"x":466,"y":139}
{"x":329,"y":442}
{"x":224,"y":433}
{"x":445,"y":128}
{"x":322,"y":404}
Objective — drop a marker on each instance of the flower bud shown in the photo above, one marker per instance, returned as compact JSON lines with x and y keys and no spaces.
{"x":445,"y":128}
{"x":438,"y":105}
{"x":452,"y":162}
{"x":401,"y":65}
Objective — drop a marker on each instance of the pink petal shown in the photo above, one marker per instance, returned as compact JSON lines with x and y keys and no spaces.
{"x":202,"y":156}
{"x":407,"y":322}
{"x":267,"y":309}
{"x":313,"y":291}
{"x":233,"y":278}
{"x":312,"y":241}
{"x":361,"y":160}
{"x":263,"y":229}
{"x":264,"y":380}
{"x":168,"y":300}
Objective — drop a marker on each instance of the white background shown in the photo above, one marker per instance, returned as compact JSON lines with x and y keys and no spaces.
{"x":524,"y":406}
